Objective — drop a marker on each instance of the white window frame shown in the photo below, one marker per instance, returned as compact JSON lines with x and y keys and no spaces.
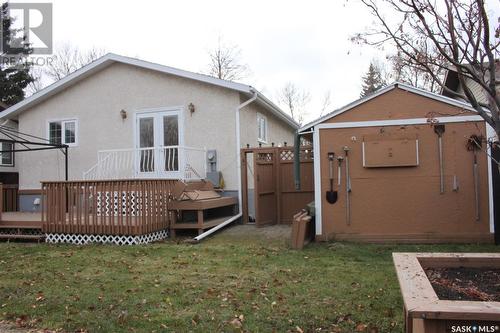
{"x":13,"y":156}
{"x":63,"y":130}
{"x":260,"y":117}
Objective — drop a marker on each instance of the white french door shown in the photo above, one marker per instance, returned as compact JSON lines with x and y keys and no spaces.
{"x":158,"y":144}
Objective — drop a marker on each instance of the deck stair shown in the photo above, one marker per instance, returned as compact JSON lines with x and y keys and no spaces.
{"x":19,"y":225}
{"x":198,"y":206}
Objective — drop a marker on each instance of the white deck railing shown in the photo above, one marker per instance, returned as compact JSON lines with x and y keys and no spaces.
{"x":167,"y":162}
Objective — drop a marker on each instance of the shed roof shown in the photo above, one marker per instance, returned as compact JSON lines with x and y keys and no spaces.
{"x":395,"y":85}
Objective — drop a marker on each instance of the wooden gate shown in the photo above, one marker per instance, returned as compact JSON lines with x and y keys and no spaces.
{"x":275,"y":196}
{"x":266,"y":191}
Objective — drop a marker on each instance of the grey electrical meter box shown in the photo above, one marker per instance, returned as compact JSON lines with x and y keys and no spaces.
{"x":212,"y":173}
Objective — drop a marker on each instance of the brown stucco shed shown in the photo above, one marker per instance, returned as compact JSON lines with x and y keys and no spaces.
{"x":397,"y":192}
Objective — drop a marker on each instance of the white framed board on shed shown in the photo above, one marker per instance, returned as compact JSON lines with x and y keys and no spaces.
{"x":385,"y":152}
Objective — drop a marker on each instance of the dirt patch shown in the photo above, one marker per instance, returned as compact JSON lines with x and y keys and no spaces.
{"x":466,"y":284}
{"x":237,"y":233}
{"x":270,"y":232}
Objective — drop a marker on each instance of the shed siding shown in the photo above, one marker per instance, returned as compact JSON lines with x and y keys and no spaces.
{"x":404,"y":203}
{"x":398,"y":104}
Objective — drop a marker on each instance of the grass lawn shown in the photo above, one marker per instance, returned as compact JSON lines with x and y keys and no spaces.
{"x":223,"y":284}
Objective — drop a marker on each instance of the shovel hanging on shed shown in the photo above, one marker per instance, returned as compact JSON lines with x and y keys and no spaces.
{"x":331,"y":196}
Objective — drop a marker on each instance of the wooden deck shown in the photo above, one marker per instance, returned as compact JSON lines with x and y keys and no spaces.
{"x":107,"y":207}
{"x":117,"y":207}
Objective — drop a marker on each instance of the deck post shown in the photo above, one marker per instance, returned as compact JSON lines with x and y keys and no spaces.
{"x":66,"y":163}
{"x":200,"y":221}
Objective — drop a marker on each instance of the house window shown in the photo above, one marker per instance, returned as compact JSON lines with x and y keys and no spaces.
{"x":7,"y":158}
{"x":262,"y":128}
{"x":63,"y":132}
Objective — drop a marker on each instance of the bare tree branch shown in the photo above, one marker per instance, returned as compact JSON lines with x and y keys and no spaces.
{"x":225,"y":62}
{"x":433,"y":36}
{"x":294,"y":100}
{"x":68,"y":58}
{"x":326,"y":102}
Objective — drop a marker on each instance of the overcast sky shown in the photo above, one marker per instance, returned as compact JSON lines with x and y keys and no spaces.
{"x":305,"y":42}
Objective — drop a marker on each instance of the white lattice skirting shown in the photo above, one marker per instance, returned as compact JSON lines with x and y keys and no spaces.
{"x":106,"y":239}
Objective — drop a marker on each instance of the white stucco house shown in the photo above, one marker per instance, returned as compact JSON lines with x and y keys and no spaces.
{"x":126,"y":118}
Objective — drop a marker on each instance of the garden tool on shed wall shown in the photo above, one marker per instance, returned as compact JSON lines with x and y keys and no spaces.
{"x":339,"y":169}
{"x":347,"y":185}
{"x":439,"y":130}
{"x":476,"y":185}
{"x":331,"y":196}
{"x":474,"y":144}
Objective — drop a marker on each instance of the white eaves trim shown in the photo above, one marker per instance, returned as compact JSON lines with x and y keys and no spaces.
{"x":400,"y":122}
{"x":111,"y":58}
{"x":381,"y":91}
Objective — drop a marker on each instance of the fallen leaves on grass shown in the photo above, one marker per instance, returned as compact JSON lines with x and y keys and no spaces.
{"x":361,"y":327}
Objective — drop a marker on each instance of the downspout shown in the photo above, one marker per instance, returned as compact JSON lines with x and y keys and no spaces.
{"x":238,"y":163}
{"x":296,"y":160}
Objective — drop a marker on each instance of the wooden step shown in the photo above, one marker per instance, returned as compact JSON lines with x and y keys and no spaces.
{"x":203,"y":204}
{"x":19,"y":225}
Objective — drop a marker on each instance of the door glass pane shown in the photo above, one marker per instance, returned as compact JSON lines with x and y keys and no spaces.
{"x":171,"y":138}
{"x":146,"y":143}
{"x":170,"y":131}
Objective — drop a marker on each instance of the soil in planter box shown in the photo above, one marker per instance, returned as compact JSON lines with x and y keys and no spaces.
{"x":465,"y":284}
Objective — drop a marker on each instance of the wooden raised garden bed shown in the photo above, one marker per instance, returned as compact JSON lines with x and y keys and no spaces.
{"x":450,"y":292}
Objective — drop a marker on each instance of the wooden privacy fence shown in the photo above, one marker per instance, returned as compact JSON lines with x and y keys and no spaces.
{"x":107,"y":207}
{"x":276,"y":199}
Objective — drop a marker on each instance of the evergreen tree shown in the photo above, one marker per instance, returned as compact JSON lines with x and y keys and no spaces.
{"x":372,"y":80}
{"x":14,"y":76}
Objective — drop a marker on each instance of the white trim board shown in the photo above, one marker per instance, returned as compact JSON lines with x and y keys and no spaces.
{"x":111,"y":58}
{"x":317,"y":182}
{"x":390,"y":87}
{"x":400,"y":122}
{"x":490,"y":133}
